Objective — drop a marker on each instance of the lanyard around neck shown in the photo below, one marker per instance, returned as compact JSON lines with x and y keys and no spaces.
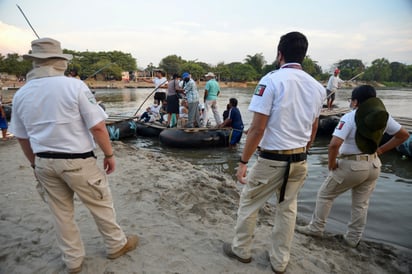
{"x":294,"y":66}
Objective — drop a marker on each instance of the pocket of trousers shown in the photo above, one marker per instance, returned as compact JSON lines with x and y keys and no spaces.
{"x":264,"y":171}
{"x":377,"y":163}
{"x":99,"y":187}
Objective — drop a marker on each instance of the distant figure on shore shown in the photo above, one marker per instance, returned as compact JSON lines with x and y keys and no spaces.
{"x":332,"y":87}
{"x":234,"y":120}
{"x":354,"y":163}
{"x":212,"y":91}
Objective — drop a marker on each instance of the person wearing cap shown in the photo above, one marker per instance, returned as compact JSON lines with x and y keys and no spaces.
{"x":286,"y":105}
{"x":332,"y":87}
{"x":212,"y":91}
{"x":192,"y":97}
{"x":353,"y":161}
{"x":57,"y":122}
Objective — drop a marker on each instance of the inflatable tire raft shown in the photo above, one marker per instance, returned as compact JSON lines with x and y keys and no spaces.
{"x":121,"y":129}
{"x":195,"y":137}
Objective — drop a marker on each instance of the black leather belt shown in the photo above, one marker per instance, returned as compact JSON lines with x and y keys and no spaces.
{"x":59,"y":155}
{"x":289,"y":158}
{"x":293,"y":158}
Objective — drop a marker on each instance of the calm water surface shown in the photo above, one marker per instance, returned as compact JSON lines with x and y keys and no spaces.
{"x":390,"y":210}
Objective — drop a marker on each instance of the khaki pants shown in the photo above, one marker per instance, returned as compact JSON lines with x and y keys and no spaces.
{"x":265,"y":179}
{"x":61,"y":178}
{"x":360,"y":177}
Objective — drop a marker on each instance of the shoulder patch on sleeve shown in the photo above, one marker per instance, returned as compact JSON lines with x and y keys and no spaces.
{"x":260,"y":89}
{"x":91,"y":97}
{"x":340,"y":125}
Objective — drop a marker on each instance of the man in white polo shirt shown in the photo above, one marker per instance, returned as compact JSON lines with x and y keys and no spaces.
{"x":286,"y":105}
{"x":57,"y":121}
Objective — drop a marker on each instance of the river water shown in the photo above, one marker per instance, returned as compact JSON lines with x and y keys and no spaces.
{"x":390,"y":214}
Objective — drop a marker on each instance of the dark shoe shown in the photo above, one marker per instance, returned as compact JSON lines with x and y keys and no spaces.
{"x":276,"y":272}
{"x":75,"y":270}
{"x":131,"y":244}
{"x":227,"y":249}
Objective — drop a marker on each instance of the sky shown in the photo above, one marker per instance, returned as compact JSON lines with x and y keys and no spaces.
{"x":214,"y":31}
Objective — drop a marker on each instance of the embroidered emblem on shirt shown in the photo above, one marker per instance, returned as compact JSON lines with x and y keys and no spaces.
{"x":260,"y":89}
{"x":340,"y":125}
{"x":91,"y":97}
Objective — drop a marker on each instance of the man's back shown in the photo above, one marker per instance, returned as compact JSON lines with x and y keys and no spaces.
{"x":236,"y":117}
{"x":212,"y":87}
{"x":292,"y":99}
{"x":55,"y":112}
{"x":191,"y":91}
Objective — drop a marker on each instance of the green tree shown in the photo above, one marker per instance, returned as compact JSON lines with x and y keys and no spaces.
{"x":257,"y":61}
{"x":222,"y":71}
{"x":409,"y":74}
{"x":311,"y":67}
{"x":194,"y":69}
{"x":242,"y":72}
{"x":380,"y":71}
{"x":13,"y":64}
{"x":106,"y":64}
{"x":399,"y":72}
{"x":172,"y":64}
{"x":268,"y":68}
{"x":206,"y":67}
{"x":349,"y":68}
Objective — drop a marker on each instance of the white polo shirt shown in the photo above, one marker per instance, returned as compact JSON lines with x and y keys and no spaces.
{"x":346,"y":130}
{"x":293,"y":100}
{"x":56,"y":113}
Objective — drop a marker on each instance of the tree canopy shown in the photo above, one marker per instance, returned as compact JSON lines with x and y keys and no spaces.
{"x":110,"y":65}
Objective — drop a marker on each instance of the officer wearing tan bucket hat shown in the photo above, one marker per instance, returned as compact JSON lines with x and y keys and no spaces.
{"x":354,"y":163}
{"x":57,"y":122}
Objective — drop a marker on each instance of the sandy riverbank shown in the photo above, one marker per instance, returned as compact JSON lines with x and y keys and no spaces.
{"x":182,"y":214}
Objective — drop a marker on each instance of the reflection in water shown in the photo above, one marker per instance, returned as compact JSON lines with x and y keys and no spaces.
{"x":389,"y":218}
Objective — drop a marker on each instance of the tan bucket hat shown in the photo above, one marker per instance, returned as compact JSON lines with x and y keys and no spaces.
{"x":45,"y":48}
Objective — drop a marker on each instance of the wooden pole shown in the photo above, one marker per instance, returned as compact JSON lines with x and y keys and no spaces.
{"x":149,"y":96}
{"x":28,"y":22}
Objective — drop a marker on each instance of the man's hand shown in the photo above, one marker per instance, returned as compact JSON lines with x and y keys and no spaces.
{"x":241,"y":173}
{"x":109,"y":165}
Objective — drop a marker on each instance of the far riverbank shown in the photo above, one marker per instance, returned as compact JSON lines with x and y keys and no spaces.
{"x":93,"y":84}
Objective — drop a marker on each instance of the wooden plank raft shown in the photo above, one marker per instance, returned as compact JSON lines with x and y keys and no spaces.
{"x":117,"y":119}
{"x":333,"y":112}
{"x":406,"y":122}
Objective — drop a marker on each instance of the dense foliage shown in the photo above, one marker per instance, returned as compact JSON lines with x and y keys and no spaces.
{"x":102,"y":65}
{"x":110,"y":65}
